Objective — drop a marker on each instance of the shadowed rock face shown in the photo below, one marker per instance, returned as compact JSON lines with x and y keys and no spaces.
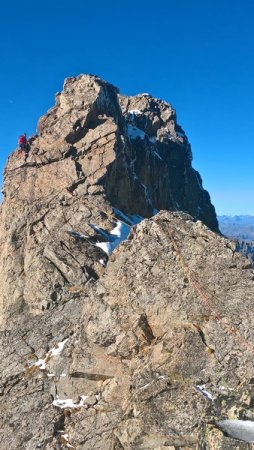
{"x":148,"y":348}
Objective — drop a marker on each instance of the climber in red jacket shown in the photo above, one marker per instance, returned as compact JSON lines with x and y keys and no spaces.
{"x":22,"y":141}
{"x":23,"y":145}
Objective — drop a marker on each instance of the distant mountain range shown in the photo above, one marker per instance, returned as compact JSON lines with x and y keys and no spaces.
{"x":240,"y":228}
{"x":237,"y":227}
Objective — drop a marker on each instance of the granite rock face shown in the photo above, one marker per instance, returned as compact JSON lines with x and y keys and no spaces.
{"x":147,"y":347}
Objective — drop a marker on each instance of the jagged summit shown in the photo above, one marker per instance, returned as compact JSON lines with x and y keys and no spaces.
{"x":129,"y":149}
{"x":95,"y":151}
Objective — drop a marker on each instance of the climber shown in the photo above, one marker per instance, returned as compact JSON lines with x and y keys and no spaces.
{"x":22,"y":141}
{"x":23,"y":145}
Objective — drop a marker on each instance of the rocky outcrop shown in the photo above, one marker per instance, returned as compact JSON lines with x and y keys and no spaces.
{"x":146,"y":345}
{"x":154,"y":355}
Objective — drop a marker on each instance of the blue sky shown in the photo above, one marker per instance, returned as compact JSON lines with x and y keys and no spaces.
{"x":198,"y":55}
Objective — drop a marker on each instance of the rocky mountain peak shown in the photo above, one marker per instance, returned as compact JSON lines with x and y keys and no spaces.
{"x":125,"y":319}
{"x":129,"y":149}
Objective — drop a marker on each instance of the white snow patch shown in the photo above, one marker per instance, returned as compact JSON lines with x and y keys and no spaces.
{"x":119,"y":233}
{"x":117,"y":230}
{"x":135,"y":133}
{"x":202,"y":390}
{"x":136,"y":112}
{"x":41,"y":363}
{"x":105,"y":246}
{"x":66,"y":438}
{"x":50,"y":375}
{"x":238,"y":429}
{"x":56,"y":351}
{"x":68,"y":403}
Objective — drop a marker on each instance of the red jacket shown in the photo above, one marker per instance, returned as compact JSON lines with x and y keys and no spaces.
{"x":22,"y":140}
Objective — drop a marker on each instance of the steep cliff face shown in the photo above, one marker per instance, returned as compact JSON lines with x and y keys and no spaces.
{"x":138,"y":346}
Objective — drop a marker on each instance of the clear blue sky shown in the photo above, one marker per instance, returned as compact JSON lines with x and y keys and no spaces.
{"x":196,"y":54}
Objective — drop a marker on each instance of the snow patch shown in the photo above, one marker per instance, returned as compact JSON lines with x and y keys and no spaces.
{"x":135,"y":133}
{"x":104,"y":246}
{"x":65,"y":437}
{"x":119,"y":233}
{"x":202,"y":390}
{"x":136,"y":112}
{"x":68,"y":403}
{"x":41,"y":363}
{"x":58,"y":350}
{"x":238,"y":429}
